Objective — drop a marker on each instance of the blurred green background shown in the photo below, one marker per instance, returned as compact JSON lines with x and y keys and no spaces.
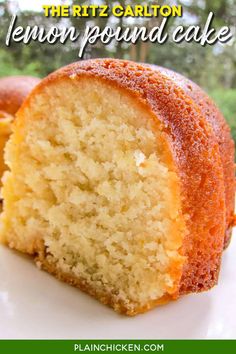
{"x":212,"y":67}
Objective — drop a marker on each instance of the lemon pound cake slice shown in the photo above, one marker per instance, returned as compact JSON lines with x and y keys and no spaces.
{"x":116,"y":185}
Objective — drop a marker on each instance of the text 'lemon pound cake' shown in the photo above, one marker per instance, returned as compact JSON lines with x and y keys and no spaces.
{"x":13,"y":91}
{"x":117,"y":184}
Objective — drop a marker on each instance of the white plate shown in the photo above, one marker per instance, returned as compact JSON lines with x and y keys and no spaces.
{"x":33,"y":305}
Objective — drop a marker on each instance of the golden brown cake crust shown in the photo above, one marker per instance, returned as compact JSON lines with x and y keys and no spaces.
{"x":222,"y":132}
{"x":195,"y":151}
{"x":13,"y":91}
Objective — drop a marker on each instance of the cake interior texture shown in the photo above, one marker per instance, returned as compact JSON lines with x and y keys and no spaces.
{"x":93,"y":194}
{"x":5,"y":131}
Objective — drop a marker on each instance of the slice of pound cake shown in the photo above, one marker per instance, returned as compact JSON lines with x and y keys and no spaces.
{"x":117,"y":184}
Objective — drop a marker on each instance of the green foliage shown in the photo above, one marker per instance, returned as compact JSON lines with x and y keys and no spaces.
{"x":8,"y":67}
{"x":226,"y":101}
